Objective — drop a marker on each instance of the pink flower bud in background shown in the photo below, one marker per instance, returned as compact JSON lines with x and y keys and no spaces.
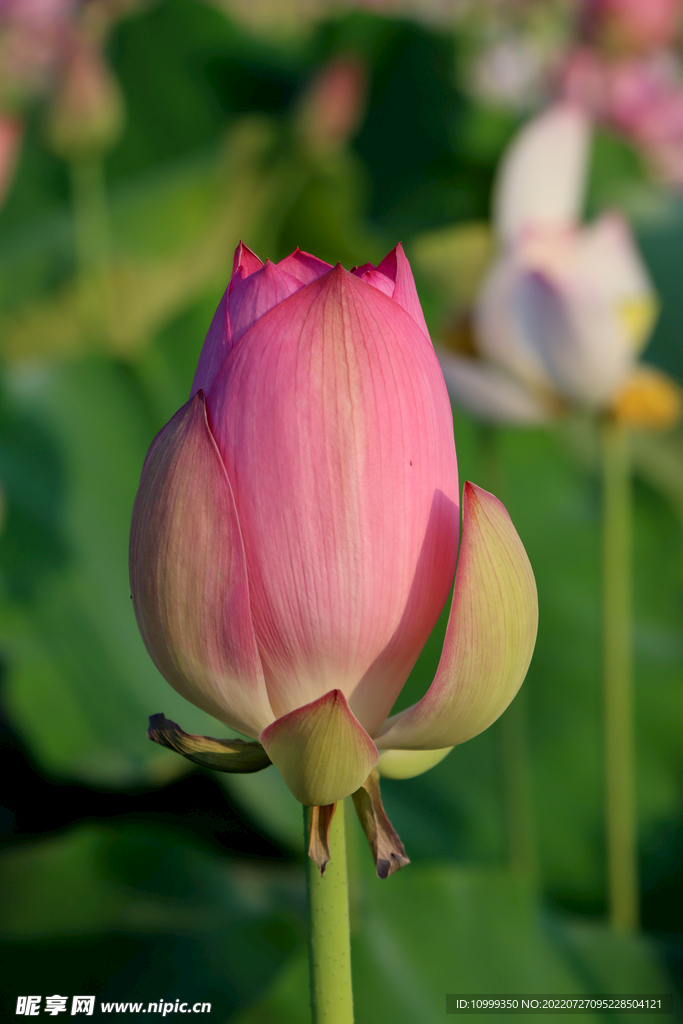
{"x":640,"y":97}
{"x":32,"y":36}
{"x":632,"y":25}
{"x":333,"y":104}
{"x":11,"y":132}
{"x":295,"y":533}
{"x":86,"y":110}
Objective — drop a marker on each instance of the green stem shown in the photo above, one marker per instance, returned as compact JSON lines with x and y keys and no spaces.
{"x":329,"y":941}
{"x":91,"y":227}
{"x":618,"y":671}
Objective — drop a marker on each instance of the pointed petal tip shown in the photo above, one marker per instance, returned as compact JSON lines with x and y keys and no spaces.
{"x":476,"y":496}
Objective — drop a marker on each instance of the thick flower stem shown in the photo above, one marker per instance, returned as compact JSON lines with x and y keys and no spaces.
{"x":329,"y":940}
{"x":618,"y":674}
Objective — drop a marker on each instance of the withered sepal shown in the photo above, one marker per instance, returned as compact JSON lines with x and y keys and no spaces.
{"x":387,"y":849}
{"x":236,"y":756}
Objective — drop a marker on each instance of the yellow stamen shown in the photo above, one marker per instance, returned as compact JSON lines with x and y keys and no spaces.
{"x":649,"y":399}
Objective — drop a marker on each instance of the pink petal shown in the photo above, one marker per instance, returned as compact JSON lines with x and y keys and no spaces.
{"x":378,"y":280}
{"x":11,"y":134}
{"x":217,"y":344}
{"x":396,"y":267}
{"x":188,"y":575}
{"x":255,"y":295}
{"x":336,"y":431}
{"x":304,"y":267}
{"x":321,"y":750}
{"x":490,"y":637}
{"x":244,"y":263}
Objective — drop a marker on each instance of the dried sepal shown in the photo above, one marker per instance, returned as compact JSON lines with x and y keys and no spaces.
{"x":319,"y":835}
{"x":237,"y":756}
{"x":387,"y":849}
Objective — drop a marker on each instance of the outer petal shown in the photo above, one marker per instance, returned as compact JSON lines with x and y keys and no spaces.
{"x":304,"y":267}
{"x":188,"y":576}
{"x":542,"y":177}
{"x":219,"y":339}
{"x":217,"y":344}
{"x":335,"y":427}
{"x":406,"y":764}
{"x":489,"y":393}
{"x":321,"y":750}
{"x":577,"y":333}
{"x":490,"y":636}
{"x":255,"y":295}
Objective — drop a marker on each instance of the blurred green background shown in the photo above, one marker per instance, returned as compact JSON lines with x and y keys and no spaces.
{"x":129,"y":874}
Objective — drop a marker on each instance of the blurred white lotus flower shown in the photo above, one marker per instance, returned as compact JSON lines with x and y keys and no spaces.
{"x":565,"y":309}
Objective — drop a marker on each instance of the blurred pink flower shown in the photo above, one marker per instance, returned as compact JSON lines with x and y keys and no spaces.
{"x":332,"y":105}
{"x":32,"y":36}
{"x":11,"y":132}
{"x":295,"y":533}
{"x":632,"y":25}
{"x":637,"y":96}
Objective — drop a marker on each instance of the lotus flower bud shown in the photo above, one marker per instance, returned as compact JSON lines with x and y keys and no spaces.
{"x":86,"y":112}
{"x":11,"y":133}
{"x":333,"y":104}
{"x":295,"y":536}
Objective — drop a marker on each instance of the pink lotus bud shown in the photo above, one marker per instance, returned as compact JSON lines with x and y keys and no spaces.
{"x":332,"y":106}
{"x":295,"y":533}
{"x":86,"y":111}
{"x":11,"y":132}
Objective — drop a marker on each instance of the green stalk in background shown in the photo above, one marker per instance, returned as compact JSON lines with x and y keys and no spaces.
{"x":91,"y":229}
{"x":85,"y":119}
{"x":622,"y":845}
{"x":329,"y":937}
{"x":515,"y":754}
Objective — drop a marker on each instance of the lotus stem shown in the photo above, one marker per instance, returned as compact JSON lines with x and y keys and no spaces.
{"x":622,"y":845}
{"x":329,"y":937}
{"x":91,"y":229}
